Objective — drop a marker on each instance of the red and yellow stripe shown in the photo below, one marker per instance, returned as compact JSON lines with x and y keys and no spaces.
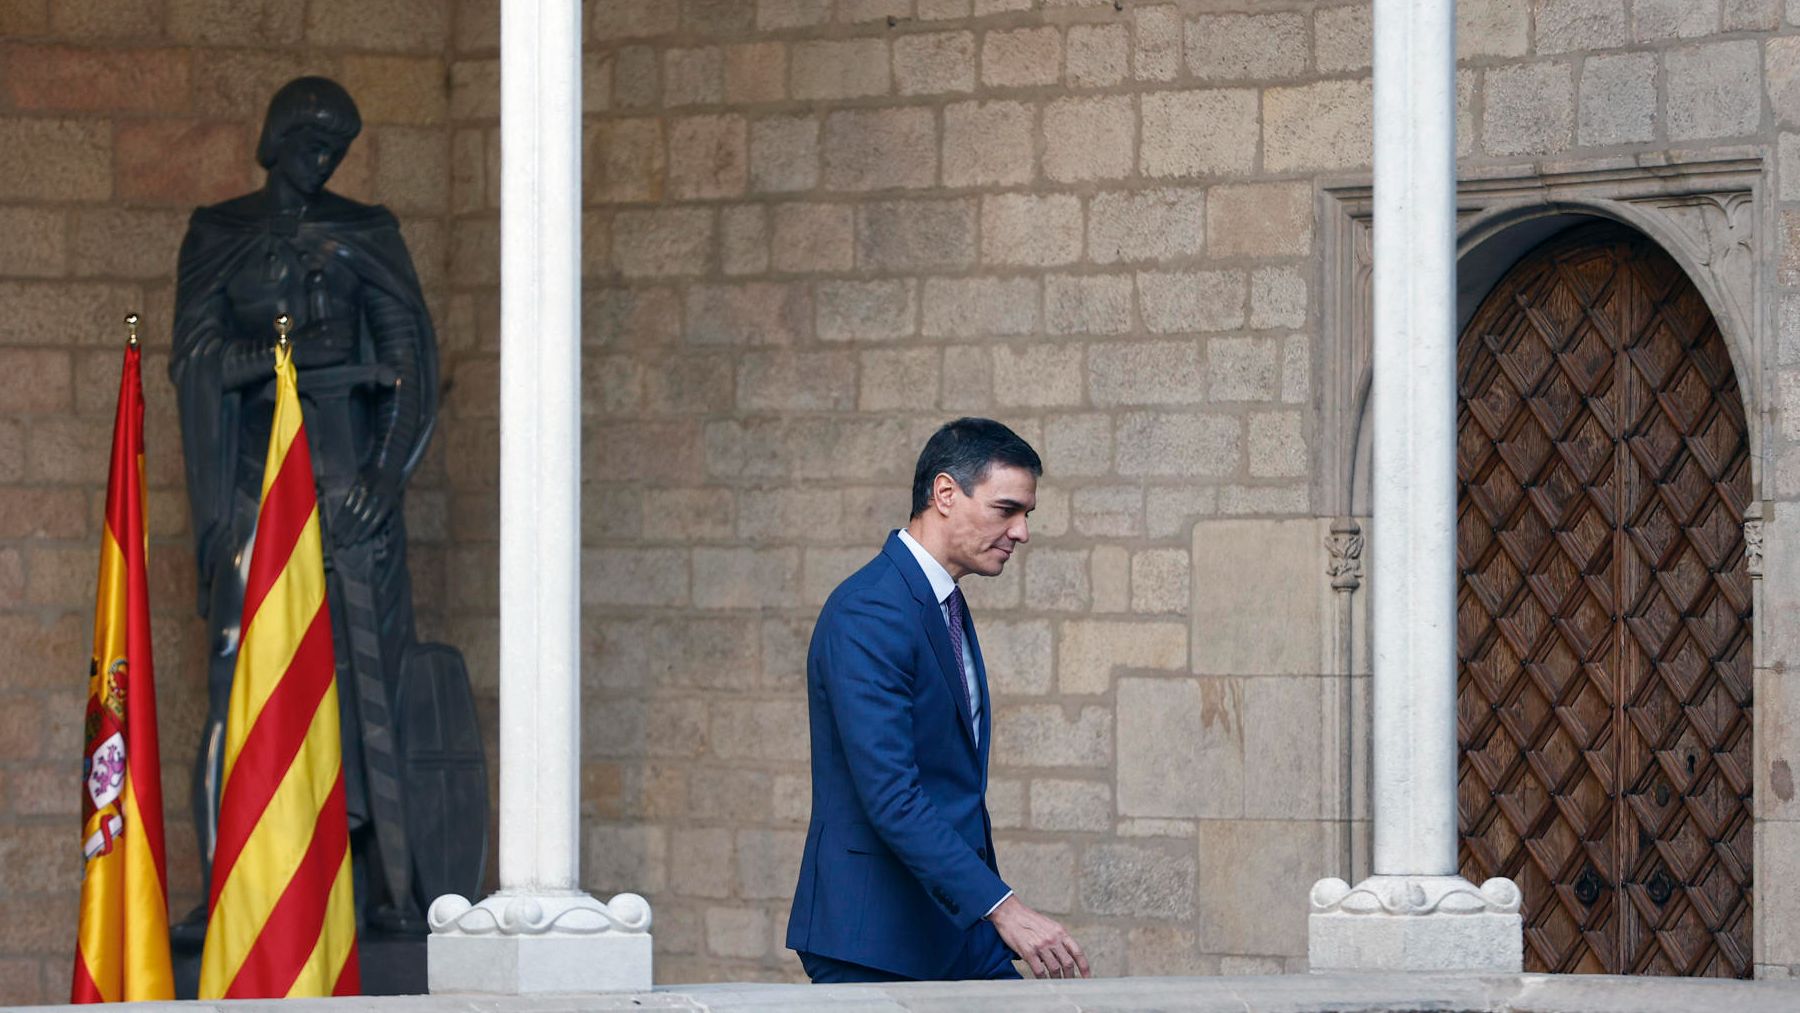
{"x":282,"y":917}
{"x":122,"y":946}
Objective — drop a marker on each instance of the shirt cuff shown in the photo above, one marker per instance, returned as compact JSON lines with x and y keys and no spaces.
{"x":996,"y":907}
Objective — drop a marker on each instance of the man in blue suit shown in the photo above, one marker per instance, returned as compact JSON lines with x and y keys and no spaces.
{"x":898,"y":881}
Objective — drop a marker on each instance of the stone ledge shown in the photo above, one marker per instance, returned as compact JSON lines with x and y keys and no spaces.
{"x":1295,"y":993}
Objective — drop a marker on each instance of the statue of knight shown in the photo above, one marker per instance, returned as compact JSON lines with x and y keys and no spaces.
{"x":415,"y":778}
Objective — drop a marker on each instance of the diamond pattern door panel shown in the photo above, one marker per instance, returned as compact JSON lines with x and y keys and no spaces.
{"x":1604,"y":612}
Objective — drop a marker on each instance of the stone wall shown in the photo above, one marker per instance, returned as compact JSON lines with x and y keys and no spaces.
{"x":814,"y":231}
{"x":116,"y":118}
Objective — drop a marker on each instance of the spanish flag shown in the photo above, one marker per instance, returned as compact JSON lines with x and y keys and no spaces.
{"x":122,"y":948}
{"x":282,"y":921}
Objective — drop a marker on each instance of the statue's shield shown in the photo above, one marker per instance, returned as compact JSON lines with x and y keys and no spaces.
{"x":445,"y":773}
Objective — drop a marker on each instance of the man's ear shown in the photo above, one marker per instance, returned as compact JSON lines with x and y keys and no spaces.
{"x":944,"y":492}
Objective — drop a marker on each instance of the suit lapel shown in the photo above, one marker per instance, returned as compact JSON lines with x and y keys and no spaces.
{"x":931,"y":618}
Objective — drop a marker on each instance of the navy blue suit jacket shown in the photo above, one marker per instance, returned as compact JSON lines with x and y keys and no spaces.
{"x":899,"y":859}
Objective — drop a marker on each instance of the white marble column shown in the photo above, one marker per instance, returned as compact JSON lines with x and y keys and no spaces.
{"x":540,"y":932}
{"x":1414,"y":912}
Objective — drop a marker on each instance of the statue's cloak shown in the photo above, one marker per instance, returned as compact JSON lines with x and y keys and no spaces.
{"x":220,"y":239}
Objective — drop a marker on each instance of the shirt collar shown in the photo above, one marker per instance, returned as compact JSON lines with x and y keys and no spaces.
{"x":941,"y":581}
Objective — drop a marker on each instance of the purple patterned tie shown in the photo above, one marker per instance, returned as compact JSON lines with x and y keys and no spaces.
{"x":958,"y":615}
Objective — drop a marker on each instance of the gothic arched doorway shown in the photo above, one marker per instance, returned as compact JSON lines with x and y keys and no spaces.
{"x":1604,"y":635}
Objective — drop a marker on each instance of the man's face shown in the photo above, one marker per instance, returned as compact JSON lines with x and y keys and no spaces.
{"x":985,"y":525}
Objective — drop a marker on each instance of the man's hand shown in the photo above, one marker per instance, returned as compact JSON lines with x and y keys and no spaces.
{"x":1041,"y":942}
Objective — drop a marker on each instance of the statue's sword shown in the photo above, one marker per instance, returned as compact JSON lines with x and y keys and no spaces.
{"x":330,"y":389}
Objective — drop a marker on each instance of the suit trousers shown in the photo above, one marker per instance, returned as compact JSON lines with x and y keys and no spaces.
{"x":983,"y":957}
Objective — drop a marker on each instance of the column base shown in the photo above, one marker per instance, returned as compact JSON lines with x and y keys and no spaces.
{"x":516,"y":943}
{"x":1415,"y":923}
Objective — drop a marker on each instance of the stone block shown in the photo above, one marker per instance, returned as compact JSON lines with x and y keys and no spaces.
{"x":1082,"y":806}
{"x":1277,"y":298}
{"x":998,"y":594}
{"x":943,"y":10}
{"x":768,"y":863}
{"x":1260,"y":220}
{"x":839,"y":68}
{"x":899,"y":379}
{"x":708,"y":156}
{"x":989,"y":143}
{"x":212,"y":167}
{"x":796,"y":381}
{"x":53,"y":79}
{"x":1247,"y":47}
{"x":1146,"y":373}
{"x":1260,"y":598}
{"x":1493,"y":28}
{"x":1160,"y":581}
{"x":1781,"y":75}
{"x":700,"y":862}
{"x":1139,"y":880}
{"x":397,"y":89}
{"x":1656,"y":20}
{"x":1156,"y":35}
{"x":618,"y":858}
{"x":743,"y":239}
{"x":1036,"y":375}
{"x":739,"y":578}
{"x":1109,"y":512}
{"x":1031,"y":230}
{"x":1618,"y":100}
{"x":1751,"y":15}
{"x":737,"y":932}
{"x":1711,"y":91}
{"x":984,"y":307}
{"x":227,"y":23}
{"x":628,"y":160}
{"x":826,"y":569}
{"x":915,"y":235}
{"x":1244,"y":369}
{"x":1565,"y":26}
{"x":1530,"y":109}
{"x":1089,"y":138}
{"x":934,"y":63}
{"x":747,"y":313}
{"x":1018,"y":656}
{"x":35,"y":381}
{"x":1344,"y":37}
{"x":1296,"y":368}
{"x":1021,"y":57}
{"x":1056,"y":580}
{"x":1041,"y":873}
{"x":1098,"y":56}
{"x":865,"y":310}
{"x":1198,"y":133}
{"x":1278,"y":445}
{"x":622,"y":576}
{"x":968,"y":379}
{"x":1078,"y":445}
{"x":755,"y":72}
{"x":637,"y":82}
{"x":1158,"y":224}
{"x":1089,"y":652}
{"x":1189,"y":301}
{"x":1277,"y":861}
{"x":788,"y":514}
{"x":879,"y":149}
{"x":1161,"y":443}
{"x":693,"y":76}
{"x":784,"y":154}
{"x":662,"y":241}
{"x":1327,"y":125}
{"x":759,"y":730}
{"x":1087,"y":304}
{"x":39,"y":244}
{"x":791,"y":13}
{"x":1050,"y":735}
{"x":814,"y":237}
{"x":1282,"y":727}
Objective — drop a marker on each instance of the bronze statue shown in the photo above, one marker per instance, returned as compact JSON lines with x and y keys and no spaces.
{"x":367,"y":361}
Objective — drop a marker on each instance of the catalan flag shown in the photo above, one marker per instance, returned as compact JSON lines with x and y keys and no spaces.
{"x":282,"y":921}
{"x":122,"y":948}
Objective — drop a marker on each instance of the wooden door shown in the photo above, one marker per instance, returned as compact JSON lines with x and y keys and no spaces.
{"x":1603,"y":691}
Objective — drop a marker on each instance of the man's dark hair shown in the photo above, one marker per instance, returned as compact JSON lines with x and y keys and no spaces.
{"x":965,"y":450}
{"x":317,"y":102}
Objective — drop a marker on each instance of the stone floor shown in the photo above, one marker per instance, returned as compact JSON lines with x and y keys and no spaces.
{"x":1299,"y":993}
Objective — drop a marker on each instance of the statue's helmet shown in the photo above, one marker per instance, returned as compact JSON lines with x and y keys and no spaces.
{"x":317,"y":102}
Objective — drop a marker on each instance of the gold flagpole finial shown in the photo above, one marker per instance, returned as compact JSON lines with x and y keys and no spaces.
{"x":283,"y":324}
{"x":131,"y":326}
